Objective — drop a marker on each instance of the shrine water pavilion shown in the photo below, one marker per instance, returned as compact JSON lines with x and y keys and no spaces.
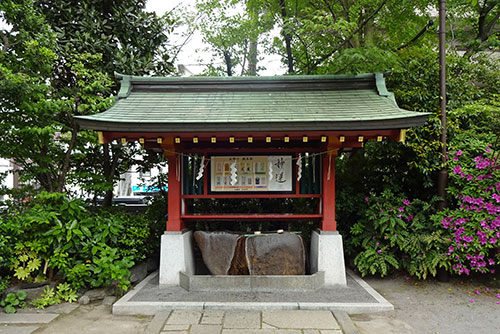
{"x":252,"y":137}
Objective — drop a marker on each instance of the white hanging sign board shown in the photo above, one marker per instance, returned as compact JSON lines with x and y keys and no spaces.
{"x":260,"y":173}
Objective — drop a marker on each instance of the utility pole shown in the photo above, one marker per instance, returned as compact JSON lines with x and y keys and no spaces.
{"x":443,"y":173}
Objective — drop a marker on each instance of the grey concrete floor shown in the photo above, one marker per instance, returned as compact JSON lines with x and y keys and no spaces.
{"x":353,"y":293}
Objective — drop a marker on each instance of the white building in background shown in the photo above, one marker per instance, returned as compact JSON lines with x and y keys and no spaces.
{"x":6,"y":171}
{"x":134,"y":183}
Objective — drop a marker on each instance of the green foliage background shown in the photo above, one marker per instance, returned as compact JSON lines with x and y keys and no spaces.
{"x":58,"y":59}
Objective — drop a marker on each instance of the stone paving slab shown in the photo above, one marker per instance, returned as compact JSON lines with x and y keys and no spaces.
{"x":156,"y":324}
{"x":170,"y":328}
{"x":16,"y":329}
{"x":181,"y":317}
{"x":205,"y":329}
{"x":300,"y":319}
{"x":212,"y":317}
{"x":27,"y":318}
{"x":239,"y":319}
{"x":64,"y":308}
{"x":261,"y":331}
{"x":247,"y":322}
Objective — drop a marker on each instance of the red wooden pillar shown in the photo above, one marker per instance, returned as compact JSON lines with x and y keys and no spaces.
{"x":329,"y":223}
{"x":174,"y":222}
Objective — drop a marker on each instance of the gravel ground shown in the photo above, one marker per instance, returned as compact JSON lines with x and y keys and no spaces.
{"x":430,"y":307}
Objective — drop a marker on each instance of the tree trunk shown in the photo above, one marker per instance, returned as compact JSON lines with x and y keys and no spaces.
{"x":287,"y":36}
{"x":111,"y":159}
{"x":61,"y":181}
{"x":108,"y":197}
{"x":229,"y":65}
{"x":252,"y":58}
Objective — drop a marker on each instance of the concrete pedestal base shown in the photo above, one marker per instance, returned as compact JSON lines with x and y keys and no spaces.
{"x":176,"y":255}
{"x":327,"y":254}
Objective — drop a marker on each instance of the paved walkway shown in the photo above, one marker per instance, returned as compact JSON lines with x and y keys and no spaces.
{"x":96,"y":318}
{"x":244,"y":322}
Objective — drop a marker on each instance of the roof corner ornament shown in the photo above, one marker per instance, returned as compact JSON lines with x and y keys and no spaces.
{"x":381,"y":87}
{"x":125,"y":85}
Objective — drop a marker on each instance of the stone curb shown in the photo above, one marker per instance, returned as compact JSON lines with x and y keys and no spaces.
{"x":384,"y":304}
{"x":27,"y":318}
{"x":345,"y":322}
{"x":156,"y":325}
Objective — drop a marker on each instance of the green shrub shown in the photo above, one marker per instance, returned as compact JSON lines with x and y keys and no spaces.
{"x":13,"y":301}
{"x":56,"y":235}
{"x":51,"y":296}
{"x":395,"y":233}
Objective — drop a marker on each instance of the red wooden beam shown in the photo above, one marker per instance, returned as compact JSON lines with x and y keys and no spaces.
{"x":237,"y":195}
{"x":174,"y":222}
{"x":329,"y":223}
{"x":252,"y":217}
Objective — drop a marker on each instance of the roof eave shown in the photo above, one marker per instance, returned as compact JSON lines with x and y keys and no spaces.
{"x":355,"y":125}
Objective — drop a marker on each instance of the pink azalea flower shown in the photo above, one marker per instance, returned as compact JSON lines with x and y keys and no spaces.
{"x":477,"y":292}
{"x":471,"y":301}
{"x":379,"y":251}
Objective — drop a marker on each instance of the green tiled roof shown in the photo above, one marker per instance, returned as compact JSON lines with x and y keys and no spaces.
{"x":154,"y":104}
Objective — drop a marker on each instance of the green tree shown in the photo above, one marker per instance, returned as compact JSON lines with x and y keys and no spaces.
{"x":37,"y":129}
{"x":82,"y":57}
{"x":474,"y":24}
{"x":233,"y":30}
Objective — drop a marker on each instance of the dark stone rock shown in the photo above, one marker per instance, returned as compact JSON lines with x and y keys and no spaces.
{"x":276,"y":254}
{"x":109,"y":300}
{"x":217,"y":250}
{"x":239,"y":264}
{"x":272,"y":254}
{"x":96,"y":294}
{"x":153,"y":263}
{"x":138,"y":272}
{"x":84,"y":300}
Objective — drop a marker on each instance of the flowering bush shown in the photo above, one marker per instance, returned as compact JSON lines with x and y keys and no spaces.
{"x":396,"y":233}
{"x":473,"y":227}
